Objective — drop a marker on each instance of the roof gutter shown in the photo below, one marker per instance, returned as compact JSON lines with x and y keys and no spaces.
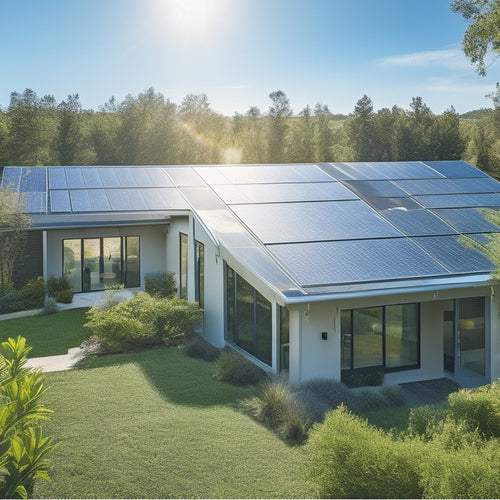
{"x":305,"y":299}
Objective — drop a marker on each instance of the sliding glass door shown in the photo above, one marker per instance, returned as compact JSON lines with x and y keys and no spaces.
{"x":95,"y":263}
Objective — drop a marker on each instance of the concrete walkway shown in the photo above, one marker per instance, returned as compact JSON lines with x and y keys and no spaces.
{"x":67,"y":361}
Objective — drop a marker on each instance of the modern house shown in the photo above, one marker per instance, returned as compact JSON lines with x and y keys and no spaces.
{"x":318,"y":270}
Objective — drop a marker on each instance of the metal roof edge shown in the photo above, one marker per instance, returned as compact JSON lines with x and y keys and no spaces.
{"x":482,"y":280}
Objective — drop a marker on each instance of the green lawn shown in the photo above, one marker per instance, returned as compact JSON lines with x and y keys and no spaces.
{"x":156,"y":424}
{"x":48,"y":335}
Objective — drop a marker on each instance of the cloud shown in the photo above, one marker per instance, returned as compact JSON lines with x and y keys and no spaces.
{"x":452,"y":86}
{"x":448,"y":58}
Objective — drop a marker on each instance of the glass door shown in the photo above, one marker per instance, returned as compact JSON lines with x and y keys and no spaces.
{"x":92,"y":265}
{"x":471,"y":350}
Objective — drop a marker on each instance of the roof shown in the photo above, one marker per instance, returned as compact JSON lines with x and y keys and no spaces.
{"x":306,"y":230}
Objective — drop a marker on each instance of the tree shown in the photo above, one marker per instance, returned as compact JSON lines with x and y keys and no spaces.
{"x":323,"y":136}
{"x":13,"y":232}
{"x":279,"y":112}
{"x":482,"y":36}
{"x":302,"y":138}
{"x":361,"y":130}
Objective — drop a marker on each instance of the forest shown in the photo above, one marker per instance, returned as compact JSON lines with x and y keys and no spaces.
{"x":151,"y":129}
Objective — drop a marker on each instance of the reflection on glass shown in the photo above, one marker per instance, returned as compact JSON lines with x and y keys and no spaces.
{"x":230,"y":303}
{"x":245,"y":318}
{"x":401,"y":335}
{"x":183,"y":294}
{"x":284,"y":338}
{"x":72,"y":262}
{"x":111,"y":259}
{"x":92,"y":264}
{"x":368,"y":337}
{"x":263,"y":328}
{"x":133,"y":277}
{"x":200,"y":274}
{"x":471,"y":325}
{"x":346,"y":339}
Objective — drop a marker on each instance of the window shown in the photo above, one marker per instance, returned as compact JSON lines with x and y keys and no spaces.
{"x":183,"y":275}
{"x":387,"y":336}
{"x":284,"y":338}
{"x":248,"y":317}
{"x":200,"y":274}
{"x":95,"y":263}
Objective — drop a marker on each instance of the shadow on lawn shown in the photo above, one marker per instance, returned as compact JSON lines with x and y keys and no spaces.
{"x":177,"y":377}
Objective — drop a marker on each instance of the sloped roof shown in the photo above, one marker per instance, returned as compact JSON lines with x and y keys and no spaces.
{"x":304,"y":229}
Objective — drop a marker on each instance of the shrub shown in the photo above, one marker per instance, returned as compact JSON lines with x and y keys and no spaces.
{"x":24,"y":450}
{"x":65,"y":296}
{"x":50,"y":307}
{"x":58,"y":284}
{"x":469,"y":471}
{"x":160,"y":284}
{"x":479,"y":408}
{"x":7,"y":288}
{"x":234,"y":368}
{"x":423,"y":420}
{"x":196,"y":346}
{"x":31,"y":296}
{"x":351,"y":459}
{"x":276,"y":407}
{"x":142,"y":320}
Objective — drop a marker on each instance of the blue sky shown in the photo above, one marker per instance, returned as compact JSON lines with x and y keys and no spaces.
{"x":238,"y":51}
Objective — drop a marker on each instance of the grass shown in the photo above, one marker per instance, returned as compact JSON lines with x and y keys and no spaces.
{"x":395,"y":417}
{"x":156,"y":424}
{"x":48,"y":335}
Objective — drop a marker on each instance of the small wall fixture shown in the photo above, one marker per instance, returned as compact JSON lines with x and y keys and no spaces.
{"x":324,"y":335}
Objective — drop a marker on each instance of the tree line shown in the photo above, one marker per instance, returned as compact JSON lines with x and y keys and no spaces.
{"x":151,"y":129}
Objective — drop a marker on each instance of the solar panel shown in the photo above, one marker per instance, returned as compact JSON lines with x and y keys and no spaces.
{"x":184,"y":176}
{"x":428,"y":186}
{"x":110,"y":178}
{"x":405,"y":170}
{"x":75,"y":178}
{"x":91,"y":177}
{"x":163,"y":199}
{"x":467,"y":220}
{"x":351,"y":261}
{"x":417,"y":222}
{"x":11,"y":178}
{"x":158,"y":177}
{"x":258,"y":174}
{"x":288,"y":222}
{"x":33,"y":202}
{"x":33,"y":180}
{"x":455,"y":168}
{"x":448,"y":201}
{"x":271,"y":193}
{"x":91,"y":200}
{"x":486,"y":199}
{"x":126,"y":199}
{"x":477,"y":185}
{"x":455,"y":254}
{"x":59,"y":201}
{"x":57,"y":178}
{"x":383,"y":203}
{"x":368,"y":189}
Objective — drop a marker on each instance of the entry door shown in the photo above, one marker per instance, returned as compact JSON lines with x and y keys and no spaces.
{"x":471,"y":352}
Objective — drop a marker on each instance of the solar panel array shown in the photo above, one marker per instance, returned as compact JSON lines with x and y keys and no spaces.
{"x":311,"y":226}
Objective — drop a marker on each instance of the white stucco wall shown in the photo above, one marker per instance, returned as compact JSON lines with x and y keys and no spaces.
{"x":312,"y":358}
{"x":152,"y":241}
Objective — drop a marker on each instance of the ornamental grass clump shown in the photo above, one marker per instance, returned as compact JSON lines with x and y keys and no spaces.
{"x":234,"y":368}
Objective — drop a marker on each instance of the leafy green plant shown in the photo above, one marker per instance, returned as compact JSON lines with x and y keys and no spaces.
{"x":479,"y":408}
{"x":30,"y":296}
{"x":60,"y":288}
{"x":24,"y":450}
{"x":160,"y":284}
{"x":348,"y":458}
{"x":423,"y":420}
{"x":143,"y":320}
{"x":234,"y":368}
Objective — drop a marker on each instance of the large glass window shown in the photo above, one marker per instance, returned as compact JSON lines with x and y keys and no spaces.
{"x":183,"y":275}
{"x":94,"y":263}
{"x":284,"y":338}
{"x":200,"y":274}
{"x":248,"y":317}
{"x":387,"y":336}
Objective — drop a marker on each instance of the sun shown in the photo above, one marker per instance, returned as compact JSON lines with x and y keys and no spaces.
{"x":193,"y":19}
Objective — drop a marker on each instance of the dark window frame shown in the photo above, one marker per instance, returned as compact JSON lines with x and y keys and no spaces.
{"x":414,"y":366}
{"x":200,"y":273}
{"x":183,"y":289}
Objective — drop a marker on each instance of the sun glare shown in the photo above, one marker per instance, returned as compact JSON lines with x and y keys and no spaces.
{"x":193,"y":19}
